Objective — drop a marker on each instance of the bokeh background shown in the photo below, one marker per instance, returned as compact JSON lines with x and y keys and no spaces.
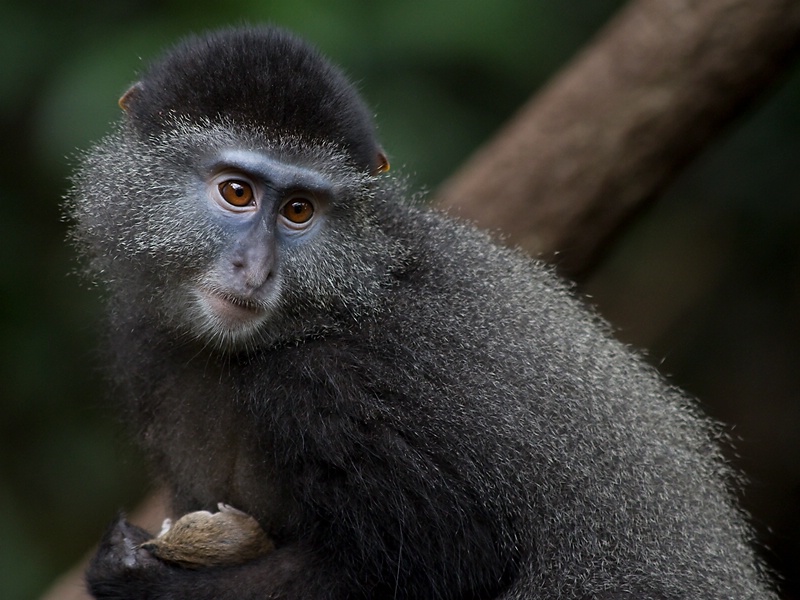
{"x":707,"y":281}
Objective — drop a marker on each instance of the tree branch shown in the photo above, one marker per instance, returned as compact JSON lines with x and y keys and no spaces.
{"x":615,"y":126}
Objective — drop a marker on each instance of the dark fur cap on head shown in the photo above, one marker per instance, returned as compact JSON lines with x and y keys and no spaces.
{"x":291,"y":89}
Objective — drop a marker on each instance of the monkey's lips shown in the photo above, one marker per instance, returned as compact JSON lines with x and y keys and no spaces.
{"x":231,"y":311}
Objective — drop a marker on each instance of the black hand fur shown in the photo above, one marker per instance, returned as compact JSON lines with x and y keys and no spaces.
{"x":422,"y":414}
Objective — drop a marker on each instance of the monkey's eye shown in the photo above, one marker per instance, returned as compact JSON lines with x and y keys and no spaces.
{"x":236,"y":193}
{"x":298,"y":211}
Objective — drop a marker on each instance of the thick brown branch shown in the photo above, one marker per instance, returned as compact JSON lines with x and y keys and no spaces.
{"x":614,"y":127}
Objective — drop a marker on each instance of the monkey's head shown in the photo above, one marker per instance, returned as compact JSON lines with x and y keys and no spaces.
{"x":235,"y":202}
{"x":262,"y":76}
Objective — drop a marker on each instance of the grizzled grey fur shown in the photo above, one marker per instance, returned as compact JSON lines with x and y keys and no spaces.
{"x":414,"y":411}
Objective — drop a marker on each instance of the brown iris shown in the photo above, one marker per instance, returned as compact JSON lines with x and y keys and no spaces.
{"x":236,"y":193}
{"x":298,"y":210}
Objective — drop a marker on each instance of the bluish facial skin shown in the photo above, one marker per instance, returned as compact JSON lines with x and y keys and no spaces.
{"x":266,"y":207}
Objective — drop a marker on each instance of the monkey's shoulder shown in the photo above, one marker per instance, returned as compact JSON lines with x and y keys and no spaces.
{"x":451,"y":267}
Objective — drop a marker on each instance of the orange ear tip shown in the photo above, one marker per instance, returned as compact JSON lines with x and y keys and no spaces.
{"x":383,"y":164}
{"x":125,"y":99}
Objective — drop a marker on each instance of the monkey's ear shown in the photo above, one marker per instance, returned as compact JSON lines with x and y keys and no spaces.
{"x":126,"y":98}
{"x":382,"y":164}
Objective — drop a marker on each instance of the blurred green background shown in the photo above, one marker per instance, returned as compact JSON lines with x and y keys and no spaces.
{"x":708,"y":281}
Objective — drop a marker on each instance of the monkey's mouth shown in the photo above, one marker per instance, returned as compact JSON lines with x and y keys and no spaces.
{"x":230,"y":311}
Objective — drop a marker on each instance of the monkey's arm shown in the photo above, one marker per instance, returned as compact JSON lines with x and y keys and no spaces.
{"x":123,"y":570}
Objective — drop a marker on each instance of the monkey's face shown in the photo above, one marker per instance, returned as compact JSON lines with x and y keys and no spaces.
{"x":231,"y":237}
{"x":265,"y":208}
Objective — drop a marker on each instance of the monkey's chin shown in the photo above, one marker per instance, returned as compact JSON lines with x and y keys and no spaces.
{"x":228,"y":320}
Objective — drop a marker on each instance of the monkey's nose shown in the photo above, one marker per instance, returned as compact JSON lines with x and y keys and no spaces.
{"x":251,"y":275}
{"x":252,"y":263}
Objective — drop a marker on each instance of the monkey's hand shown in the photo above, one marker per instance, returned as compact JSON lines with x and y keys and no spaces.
{"x":120,"y":561}
{"x":204,"y":539}
{"x":125,"y":569}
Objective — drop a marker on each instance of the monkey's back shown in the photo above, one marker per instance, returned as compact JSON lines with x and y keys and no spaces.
{"x":608,"y":477}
